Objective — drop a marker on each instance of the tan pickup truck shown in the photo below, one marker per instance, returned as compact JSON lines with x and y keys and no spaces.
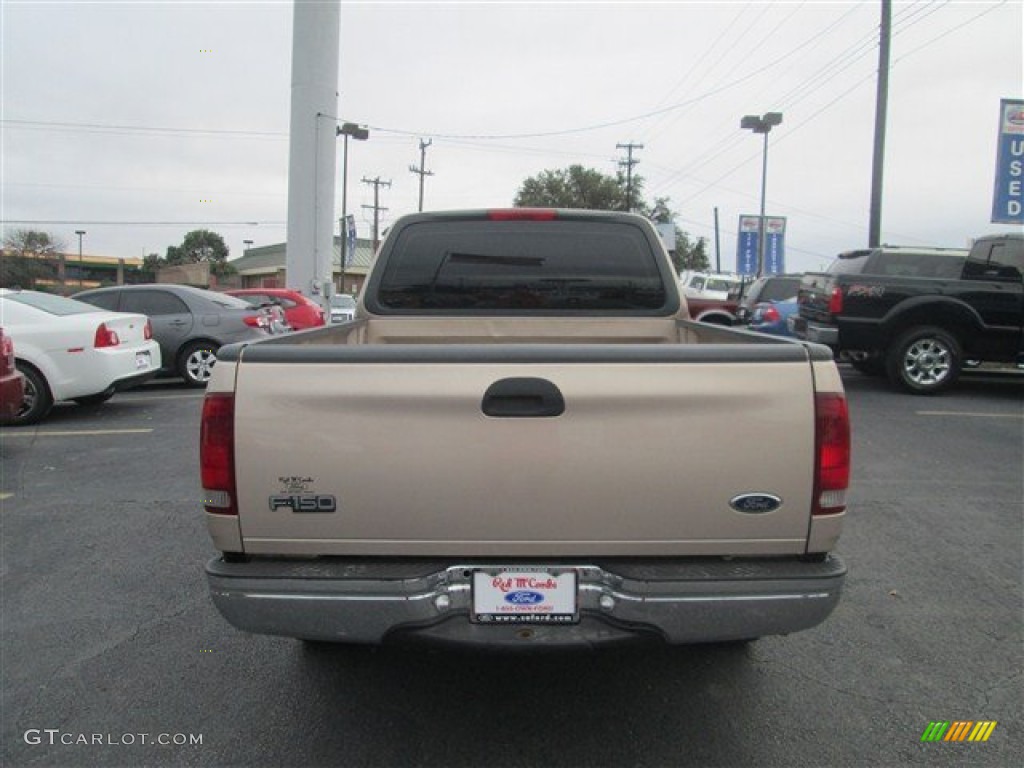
{"x":521,"y":439}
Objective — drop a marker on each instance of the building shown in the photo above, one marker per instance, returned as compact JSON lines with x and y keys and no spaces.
{"x":68,"y":273}
{"x":265,"y":267}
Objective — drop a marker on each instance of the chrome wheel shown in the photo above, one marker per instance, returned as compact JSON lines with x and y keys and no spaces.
{"x":924,"y":360}
{"x":927,"y":362}
{"x":197,"y":364}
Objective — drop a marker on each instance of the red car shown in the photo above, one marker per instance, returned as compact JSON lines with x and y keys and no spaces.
{"x":12,"y":381}
{"x":300,"y":311}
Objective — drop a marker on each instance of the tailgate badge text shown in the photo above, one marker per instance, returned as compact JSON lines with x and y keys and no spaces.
{"x":296,"y":495}
{"x":304,"y":502}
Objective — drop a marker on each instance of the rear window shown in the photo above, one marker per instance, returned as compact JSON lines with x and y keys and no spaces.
{"x":780,"y":289}
{"x":486,"y":266}
{"x":228,"y":302}
{"x":902,"y":264}
{"x":51,"y":304}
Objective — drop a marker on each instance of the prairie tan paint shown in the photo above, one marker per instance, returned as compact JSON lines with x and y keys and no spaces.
{"x":629,"y":468}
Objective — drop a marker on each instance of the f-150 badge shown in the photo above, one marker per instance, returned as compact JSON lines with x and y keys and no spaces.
{"x":296,"y":496}
{"x":304,"y":502}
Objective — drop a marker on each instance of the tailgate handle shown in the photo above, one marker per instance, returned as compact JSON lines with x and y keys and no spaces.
{"x":523,"y":398}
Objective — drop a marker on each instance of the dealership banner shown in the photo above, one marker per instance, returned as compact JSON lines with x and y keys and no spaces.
{"x":1008,"y":197}
{"x":774,"y":245}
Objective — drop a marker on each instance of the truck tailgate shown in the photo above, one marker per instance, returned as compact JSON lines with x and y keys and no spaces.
{"x":646,"y":458}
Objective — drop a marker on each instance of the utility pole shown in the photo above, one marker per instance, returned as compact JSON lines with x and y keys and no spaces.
{"x":718,"y":248}
{"x":422,"y":171}
{"x":881,"y":101}
{"x":377,"y":184}
{"x":629,"y":162}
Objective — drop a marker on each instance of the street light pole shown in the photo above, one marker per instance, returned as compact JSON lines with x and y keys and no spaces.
{"x":359,"y":134}
{"x":763,"y":124}
{"x":80,"y":232}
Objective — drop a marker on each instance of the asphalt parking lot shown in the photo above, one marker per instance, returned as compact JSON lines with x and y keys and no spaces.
{"x":112,"y":654}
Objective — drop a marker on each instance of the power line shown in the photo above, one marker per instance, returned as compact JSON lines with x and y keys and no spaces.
{"x":129,"y":129}
{"x":84,"y":222}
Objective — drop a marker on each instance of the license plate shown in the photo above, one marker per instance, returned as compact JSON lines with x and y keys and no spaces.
{"x":142,"y":360}
{"x":524,"y":596}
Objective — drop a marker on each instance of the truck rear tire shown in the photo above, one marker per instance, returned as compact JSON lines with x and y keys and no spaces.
{"x":924,"y":360}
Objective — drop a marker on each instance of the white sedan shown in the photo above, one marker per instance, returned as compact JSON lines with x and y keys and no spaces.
{"x":70,"y":350}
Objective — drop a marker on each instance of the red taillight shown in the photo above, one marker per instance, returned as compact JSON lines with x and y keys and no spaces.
{"x":256,"y":321}
{"x":217,"y":454}
{"x":105,"y":337}
{"x":770,"y":315}
{"x":523,"y":214}
{"x":835,"y":301}
{"x":832,"y":460}
{"x":147,"y":330}
{"x":6,"y":354}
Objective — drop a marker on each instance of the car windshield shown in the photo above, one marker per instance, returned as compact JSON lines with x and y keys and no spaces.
{"x":53,"y":305}
{"x":342,"y":301}
{"x":231,"y":302}
{"x":719,"y":284}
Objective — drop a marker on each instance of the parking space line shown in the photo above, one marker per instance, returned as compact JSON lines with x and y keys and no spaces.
{"x":78,"y":433}
{"x":970,"y":414}
{"x":161,"y":397}
{"x":4,"y":496}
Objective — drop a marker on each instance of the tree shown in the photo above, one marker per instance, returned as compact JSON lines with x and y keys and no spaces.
{"x":686,"y":254}
{"x":574,"y":187}
{"x":579,"y":187}
{"x":203,"y":245}
{"x":29,"y":256}
{"x":690,"y":255}
{"x":200,"y":245}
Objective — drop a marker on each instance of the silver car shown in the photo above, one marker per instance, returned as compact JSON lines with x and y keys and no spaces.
{"x":190,"y":324}
{"x":343,"y":308}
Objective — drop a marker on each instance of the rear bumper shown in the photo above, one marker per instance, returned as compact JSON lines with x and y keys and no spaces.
{"x":12,"y":394}
{"x":373,"y":600}
{"x":811,"y":331}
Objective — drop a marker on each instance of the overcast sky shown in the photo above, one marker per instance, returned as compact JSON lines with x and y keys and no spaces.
{"x":120,"y":117}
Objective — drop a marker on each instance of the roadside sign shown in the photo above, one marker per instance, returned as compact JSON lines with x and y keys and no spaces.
{"x":667,"y":232}
{"x":774,"y":245}
{"x":1008,"y":198}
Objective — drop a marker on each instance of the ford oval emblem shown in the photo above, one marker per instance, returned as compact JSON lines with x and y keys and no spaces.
{"x":524,"y":597}
{"x":755,"y":503}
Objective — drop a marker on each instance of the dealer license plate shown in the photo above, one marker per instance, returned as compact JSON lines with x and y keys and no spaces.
{"x":525,"y":596}
{"x":142,"y":360}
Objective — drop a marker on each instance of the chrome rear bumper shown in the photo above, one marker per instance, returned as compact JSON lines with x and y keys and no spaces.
{"x":377,"y":600}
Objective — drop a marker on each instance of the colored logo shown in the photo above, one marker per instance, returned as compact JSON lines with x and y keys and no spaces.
{"x":959,"y":730}
{"x":755,"y":503}
{"x":1015,"y":116}
{"x":524,"y":597}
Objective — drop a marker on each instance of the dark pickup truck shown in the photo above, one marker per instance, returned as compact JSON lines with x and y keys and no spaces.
{"x":918,"y":315}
